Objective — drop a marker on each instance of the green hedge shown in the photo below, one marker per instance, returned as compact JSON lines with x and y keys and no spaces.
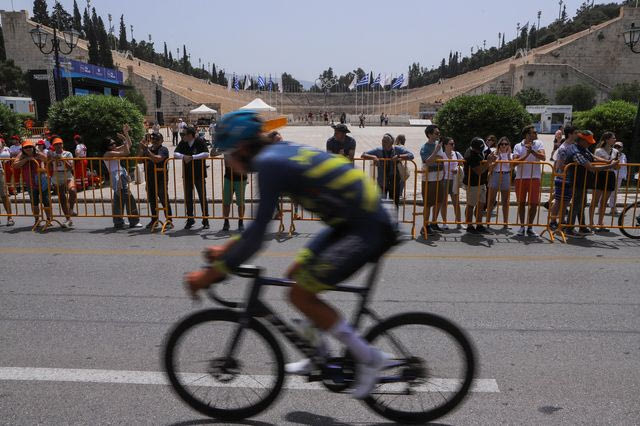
{"x":613,"y":116}
{"x":10,"y":123}
{"x":94,"y":117}
{"x":466,"y":117}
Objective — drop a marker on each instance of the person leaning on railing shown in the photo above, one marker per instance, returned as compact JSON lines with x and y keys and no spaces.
{"x":122,"y":197}
{"x":61,"y":168}
{"x":621,"y":176}
{"x":582,"y":157}
{"x":193,"y":152}
{"x":477,"y":163}
{"x":5,"y":156}
{"x":34,"y":177}
{"x":156,"y":178}
{"x":563,"y":189}
{"x":605,"y":183}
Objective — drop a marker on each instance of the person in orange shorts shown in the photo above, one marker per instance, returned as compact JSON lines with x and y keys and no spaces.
{"x":527,"y":182}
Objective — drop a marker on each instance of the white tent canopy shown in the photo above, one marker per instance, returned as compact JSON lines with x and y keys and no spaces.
{"x":203,"y":109}
{"x":258,"y":105}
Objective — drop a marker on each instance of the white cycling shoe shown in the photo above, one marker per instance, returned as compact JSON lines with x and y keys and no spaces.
{"x":299,"y":368}
{"x":367,"y":374}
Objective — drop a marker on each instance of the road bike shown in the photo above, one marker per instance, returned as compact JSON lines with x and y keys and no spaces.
{"x":629,"y":220}
{"x":228,"y":364}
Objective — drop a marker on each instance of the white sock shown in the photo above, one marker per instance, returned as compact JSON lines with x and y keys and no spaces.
{"x":346,"y":335}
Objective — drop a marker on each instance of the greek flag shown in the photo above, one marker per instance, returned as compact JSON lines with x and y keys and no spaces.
{"x":270,"y":85}
{"x":398,"y":82}
{"x":364,"y":81}
{"x":376,"y":82}
{"x":260,"y":82}
{"x":236,"y":83}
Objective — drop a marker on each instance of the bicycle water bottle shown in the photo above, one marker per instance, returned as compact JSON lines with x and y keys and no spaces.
{"x":314,"y":336}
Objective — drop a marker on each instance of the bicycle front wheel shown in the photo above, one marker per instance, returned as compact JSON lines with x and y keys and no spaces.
{"x":629,"y":221}
{"x":430,"y":372}
{"x":224,"y":387}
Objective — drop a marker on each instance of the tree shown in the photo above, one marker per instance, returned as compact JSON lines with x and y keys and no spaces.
{"x":60,"y":18}
{"x":629,"y":92}
{"x":214,"y":74}
{"x":466,"y":117}
{"x":40,"y":13}
{"x":136,"y":98}
{"x":94,"y":49}
{"x":614,"y":116}
{"x":12,"y":81}
{"x":222,"y":79}
{"x":10,"y":124}
{"x":3,"y":53}
{"x":290,"y":84}
{"x":532,"y":96}
{"x":582,"y":97}
{"x":77,"y":18}
{"x":95,"y":117}
{"x":123,"y":45}
{"x":104,"y":45}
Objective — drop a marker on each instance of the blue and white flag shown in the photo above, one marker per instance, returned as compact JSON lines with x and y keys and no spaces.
{"x":376,"y":82}
{"x":398,"y":82}
{"x":261,"y":82}
{"x":236,"y":83}
{"x":270,"y":84}
{"x":364,"y":81}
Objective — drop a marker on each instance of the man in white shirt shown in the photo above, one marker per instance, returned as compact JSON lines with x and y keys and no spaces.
{"x":61,"y":166}
{"x":527,"y":181}
{"x":433,"y":190}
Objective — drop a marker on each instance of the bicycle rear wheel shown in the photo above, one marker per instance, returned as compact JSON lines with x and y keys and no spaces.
{"x":629,"y":221}
{"x":433,"y":365}
{"x":226,"y":388}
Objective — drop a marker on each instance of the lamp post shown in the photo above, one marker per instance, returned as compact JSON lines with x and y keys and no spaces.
{"x":632,"y":40}
{"x":39,"y":37}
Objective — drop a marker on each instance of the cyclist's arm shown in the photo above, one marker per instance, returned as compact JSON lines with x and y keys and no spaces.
{"x":251,"y":240}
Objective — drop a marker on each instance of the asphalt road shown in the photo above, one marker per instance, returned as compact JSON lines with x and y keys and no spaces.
{"x":556,"y":326}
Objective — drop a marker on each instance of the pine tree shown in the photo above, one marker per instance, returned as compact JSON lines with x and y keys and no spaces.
{"x":3,"y":53}
{"x":185,"y":60}
{"x":170,"y":60}
{"x":104,"y":47}
{"x":77,"y":18}
{"x":40,"y":13}
{"x":222,"y":80}
{"x":166,"y":53}
{"x":563,"y":17}
{"x":92,"y":38}
{"x":123,"y":45}
{"x":214,"y":74}
{"x":86,"y":23}
{"x":60,"y":18}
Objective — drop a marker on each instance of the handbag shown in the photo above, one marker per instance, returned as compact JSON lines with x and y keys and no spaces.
{"x":403,"y":170}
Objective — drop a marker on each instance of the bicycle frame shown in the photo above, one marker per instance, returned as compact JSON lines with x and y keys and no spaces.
{"x":255,"y":308}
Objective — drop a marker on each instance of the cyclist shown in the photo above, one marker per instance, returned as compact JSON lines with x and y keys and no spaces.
{"x":360,"y":230}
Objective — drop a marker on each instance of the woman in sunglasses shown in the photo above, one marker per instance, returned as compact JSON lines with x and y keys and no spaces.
{"x":501,"y":180}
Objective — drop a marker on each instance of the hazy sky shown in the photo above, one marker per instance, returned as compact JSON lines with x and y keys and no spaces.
{"x":305,"y":37}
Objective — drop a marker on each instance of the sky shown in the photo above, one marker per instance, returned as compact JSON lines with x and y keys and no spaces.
{"x":303,"y":38}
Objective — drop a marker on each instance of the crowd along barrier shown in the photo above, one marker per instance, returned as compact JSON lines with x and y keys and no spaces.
{"x":135,"y":188}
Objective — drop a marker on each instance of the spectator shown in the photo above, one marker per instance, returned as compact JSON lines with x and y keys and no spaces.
{"x":621,"y":176}
{"x":401,"y":139}
{"x":433,"y":191}
{"x":80,"y":166}
{"x":61,"y":167}
{"x":193,"y":152}
{"x":528,"y":175}
{"x":41,"y":147}
{"x":156,"y":128}
{"x":558,"y":139}
{"x":212,"y":130}
{"x":341,"y":143}
{"x":181,"y":125}
{"x":175,"y":130}
{"x":501,"y":180}
{"x":343,"y":118}
{"x":579,"y":154}
{"x":386,"y":120}
{"x":123,"y":200}
{"x":605,"y":183}
{"x":388,"y":177}
{"x":5,"y":156}
{"x":477,"y":164}
{"x":451,"y":182}
{"x":30,"y":163}
{"x":362,"y":120}
{"x":381,"y":118}
{"x":13,"y":173}
{"x":563,"y":188}
{"x":491,"y":143}
{"x":156,"y":178}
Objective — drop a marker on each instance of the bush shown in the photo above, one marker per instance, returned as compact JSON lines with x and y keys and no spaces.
{"x":532,"y":96}
{"x":10,"y":123}
{"x":465,"y":117}
{"x":94,"y":117}
{"x":629,"y":92}
{"x":615,"y":116}
{"x":580,"y":96}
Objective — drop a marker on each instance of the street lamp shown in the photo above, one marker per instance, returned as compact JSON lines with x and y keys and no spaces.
{"x":631,"y":39}
{"x":70,"y":37}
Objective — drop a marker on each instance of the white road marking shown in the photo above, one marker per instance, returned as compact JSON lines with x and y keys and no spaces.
{"x":203,"y":379}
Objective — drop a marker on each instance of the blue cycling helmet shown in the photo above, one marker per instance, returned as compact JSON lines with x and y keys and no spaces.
{"x":235,"y":127}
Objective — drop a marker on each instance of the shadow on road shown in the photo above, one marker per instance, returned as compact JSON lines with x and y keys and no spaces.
{"x":216,"y":422}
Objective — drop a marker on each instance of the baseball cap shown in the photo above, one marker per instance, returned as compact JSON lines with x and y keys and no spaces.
{"x":27,"y":143}
{"x":587,"y":135}
{"x":41,"y":142}
{"x":56,"y":141}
